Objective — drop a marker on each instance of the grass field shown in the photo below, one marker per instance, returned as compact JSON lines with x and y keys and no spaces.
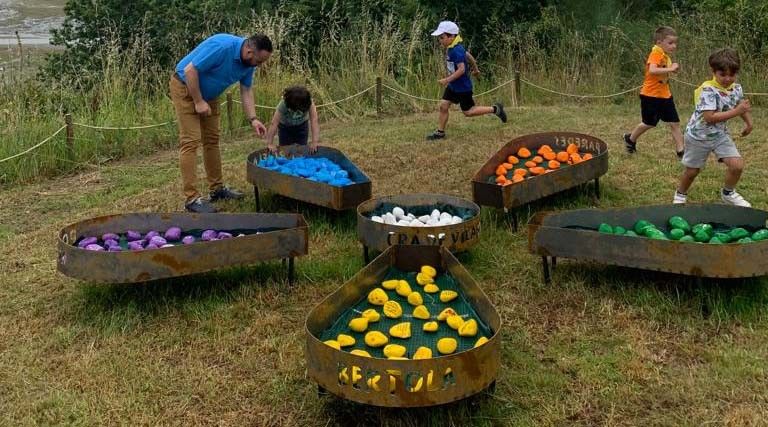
{"x":600,"y":346}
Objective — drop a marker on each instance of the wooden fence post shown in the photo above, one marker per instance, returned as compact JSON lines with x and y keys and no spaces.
{"x":518,"y":99}
{"x":229,"y":113}
{"x":378,"y":96}
{"x":70,"y":135}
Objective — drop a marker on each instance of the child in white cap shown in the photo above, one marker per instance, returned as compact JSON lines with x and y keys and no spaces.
{"x":458,"y":85}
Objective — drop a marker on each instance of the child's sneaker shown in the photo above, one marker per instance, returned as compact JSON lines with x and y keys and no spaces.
{"x":734,"y":198}
{"x":498,"y":110}
{"x":680,"y":198}
{"x":680,"y":154}
{"x":629,"y":145}
{"x":437,"y":134}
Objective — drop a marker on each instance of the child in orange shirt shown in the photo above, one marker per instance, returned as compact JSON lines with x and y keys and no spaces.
{"x":656,"y":102}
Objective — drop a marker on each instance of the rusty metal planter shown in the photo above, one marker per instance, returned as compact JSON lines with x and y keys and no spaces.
{"x":316,"y":193}
{"x":552,"y":235}
{"x":511,"y":196}
{"x":473,"y":370}
{"x":379,"y":236}
{"x":288,"y":241}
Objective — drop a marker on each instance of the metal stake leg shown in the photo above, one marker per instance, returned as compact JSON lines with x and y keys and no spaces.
{"x":291,"y":272}
{"x":597,"y":187}
{"x":256,"y":197}
{"x":554,"y":262}
{"x":366,"y":257}
{"x":545,"y":265}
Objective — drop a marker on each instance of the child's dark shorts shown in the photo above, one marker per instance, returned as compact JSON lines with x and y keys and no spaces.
{"x":296,"y":134}
{"x":464,"y":99}
{"x":654,"y":109}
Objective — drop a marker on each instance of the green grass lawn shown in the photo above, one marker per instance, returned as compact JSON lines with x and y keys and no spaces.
{"x":599,"y":346}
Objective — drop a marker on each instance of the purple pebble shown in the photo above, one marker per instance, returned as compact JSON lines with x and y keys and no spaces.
{"x":110,"y":236}
{"x":94,"y":247}
{"x":135,"y":246}
{"x":224,"y":235}
{"x":173,"y":234}
{"x":132,"y":236}
{"x":157,"y":241}
{"x":188,"y":240}
{"x":87,"y":241}
{"x":111,"y":242}
{"x":115,"y":249}
{"x":151,"y":234}
{"x":151,"y":246}
{"x":167,"y":245}
{"x":209,"y":235}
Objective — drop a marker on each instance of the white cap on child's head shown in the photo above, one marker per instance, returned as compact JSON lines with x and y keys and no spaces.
{"x":449,"y":27}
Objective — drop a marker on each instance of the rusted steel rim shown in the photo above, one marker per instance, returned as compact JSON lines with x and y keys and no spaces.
{"x":317,"y":193}
{"x":550,"y":235}
{"x":288,"y":240}
{"x":472,"y":370}
{"x":510,"y":196}
{"x":456,"y":237}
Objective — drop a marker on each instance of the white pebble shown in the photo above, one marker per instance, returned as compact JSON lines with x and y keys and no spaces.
{"x":445,"y":215}
{"x":440,"y":236}
{"x":389,"y":219}
{"x":457,"y":220}
{"x":432,"y":222}
{"x":417,"y":223}
{"x":398,"y":212}
{"x":435,"y":214}
{"x":404,"y":223}
{"x":411,"y":216}
{"x":424,"y":218}
{"x":377,"y":218}
{"x":445,"y":221}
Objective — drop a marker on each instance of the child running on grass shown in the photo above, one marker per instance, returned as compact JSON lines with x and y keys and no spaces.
{"x":458,"y":85}
{"x":717,"y":101}
{"x":294,"y":118}
{"x":656,"y":102}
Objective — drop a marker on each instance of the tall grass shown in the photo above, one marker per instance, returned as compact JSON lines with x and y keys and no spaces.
{"x":552,"y":52}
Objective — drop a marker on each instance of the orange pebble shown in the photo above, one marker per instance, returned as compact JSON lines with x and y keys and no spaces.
{"x":562,"y":157}
{"x":500,"y":179}
{"x":513,"y":160}
{"x":517,"y":178}
{"x":537,"y":159}
{"x":507,"y":166}
{"x":538,"y":170}
{"x":521,"y":172}
{"x":586,"y":156}
{"x":523,"y":153}
{"x":575,"y":158}
{"x":572,"y":148}
{"x":530,"y":164}
{"x":549,"y":155}
{"x":501,"y":170}
{"x":553,"y":164}
{"x":544,"y":149}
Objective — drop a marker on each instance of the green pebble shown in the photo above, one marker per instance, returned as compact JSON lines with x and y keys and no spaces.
{"x":619,"y":230}
{"x":688,"y":239}
{"x":639,"y":225}
{"x":701,"y":236}
{"x":605,"y":228}
{"x":723,"y":237}
{"x":676,"y":234}
{"x":738,"y":233}
{"x":715,"y":241}
{"x":630,"y":233}
{"x":761,"y":234}
{"x":746,"y":240}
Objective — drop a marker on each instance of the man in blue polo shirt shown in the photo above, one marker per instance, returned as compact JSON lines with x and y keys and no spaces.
{"x":199,"y":79}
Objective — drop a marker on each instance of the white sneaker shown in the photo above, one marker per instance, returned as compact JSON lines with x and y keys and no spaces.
{"x":735,"y":199}
{"x":679,"y":198}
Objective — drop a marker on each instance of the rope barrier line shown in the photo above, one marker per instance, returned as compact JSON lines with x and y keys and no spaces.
{"x":580,"y":96}
{"x":123,"y":128}
{"x":408,"y":94}
{"x":496,"y":88}
{"x":327,"y":104}
{"x":693,"y":85}
{"x":34,"y":147}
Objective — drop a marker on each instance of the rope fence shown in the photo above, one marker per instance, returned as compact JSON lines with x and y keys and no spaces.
{"x":378,"y":87}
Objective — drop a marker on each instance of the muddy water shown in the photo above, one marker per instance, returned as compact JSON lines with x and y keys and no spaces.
{"x":33,"y":19}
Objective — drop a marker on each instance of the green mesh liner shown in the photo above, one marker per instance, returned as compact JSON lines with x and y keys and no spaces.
{"x":463,"y":213}
{"x":418,"y":336}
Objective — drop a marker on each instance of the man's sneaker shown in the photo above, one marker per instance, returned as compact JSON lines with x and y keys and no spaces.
{"x":199,"y":205}
{"x":225,"y":193}
{"x":679,"y":198}
{"x":434,"y":136}
{"x":734,"y":199}
{"x":629,"y":145}
{"x":498,"y":110}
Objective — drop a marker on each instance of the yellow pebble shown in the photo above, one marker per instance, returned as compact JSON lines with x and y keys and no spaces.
{"x":455,"y":321}
{"x":403,"y":289}
{"x":401,"y":330}
{"x":431,"y":288}
{"x":446,"y":345}
{"x":359,"y":324}
{"x":429,"y":271}
{"x":375,"y":339}
{"x":430,"y":327}
{"x":358,"y":352}
{"x":378,"y":297}
{"x":333,"y":343}
{"x":372,"y":315}
{"x":423,"y":279}
{"x":445,"y":314}
{"x":421,"y":312}
{"x":468,"y":328}
{"x":414,"y":298}
{"x":481,"y":341}
{"x":392,"y":309}
{"x":389,"y":284}
{"x":345,"y":340}
{"x":422,"y":353}
{"x":394,"y":350}
{"x":397,"y":358}
{"x":448,"y":296}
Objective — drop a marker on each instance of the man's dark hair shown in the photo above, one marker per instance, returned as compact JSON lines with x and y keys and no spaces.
{"x":260,"y":42}
{"x":663,"y":32}
{"x":725,"y":60}
{"x":297,"y":98}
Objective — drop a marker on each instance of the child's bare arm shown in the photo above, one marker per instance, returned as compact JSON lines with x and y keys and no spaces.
{"x":460,"y":70}
{"x":272,"y":130}
{"x":656,"y":70}
{"x":473,"y":65}
{"x":747,"y":117}
{"x":314,"y":127}
{"x":713,"y":117}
